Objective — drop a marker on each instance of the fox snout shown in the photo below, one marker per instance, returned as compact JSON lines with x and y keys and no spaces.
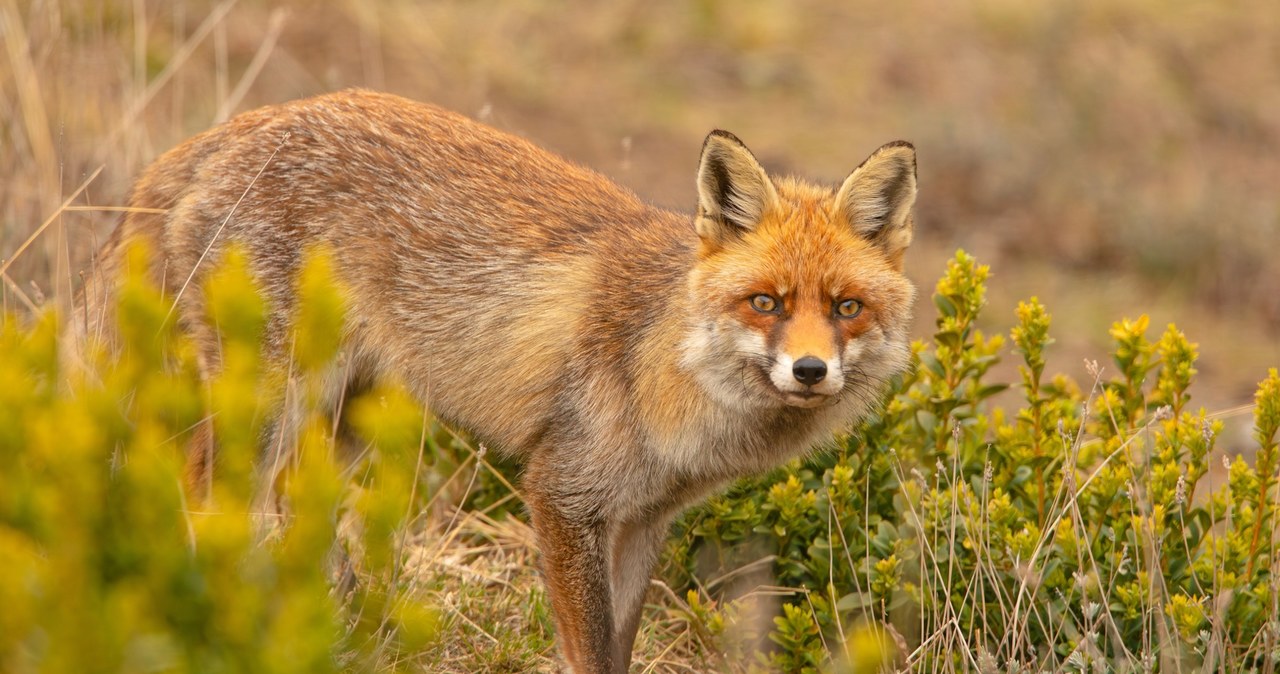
{"x":809,"y":370}
{"x":806,"y":381}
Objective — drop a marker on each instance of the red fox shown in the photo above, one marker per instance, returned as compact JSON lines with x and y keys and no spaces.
{"x":634,"y":358}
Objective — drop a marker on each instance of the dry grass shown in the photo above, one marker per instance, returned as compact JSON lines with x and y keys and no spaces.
{"x":481,"y":572}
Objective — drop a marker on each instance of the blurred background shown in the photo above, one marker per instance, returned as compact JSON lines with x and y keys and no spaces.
{"x":1112,"y":158}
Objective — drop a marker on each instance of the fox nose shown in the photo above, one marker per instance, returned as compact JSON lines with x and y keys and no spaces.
{"x":809,"y":370}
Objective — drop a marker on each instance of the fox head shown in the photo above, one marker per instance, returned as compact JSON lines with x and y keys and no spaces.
{"x":801,"y":295}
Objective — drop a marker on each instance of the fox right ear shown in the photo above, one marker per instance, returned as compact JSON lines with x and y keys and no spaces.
{"x":877,"y":199}
{"x":734,"y":192}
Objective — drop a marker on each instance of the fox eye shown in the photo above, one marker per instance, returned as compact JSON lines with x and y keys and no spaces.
{"x":765,"y":304}
{"x":848,"y":308}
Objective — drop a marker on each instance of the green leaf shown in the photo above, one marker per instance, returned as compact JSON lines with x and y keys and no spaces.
{"x":855,"y":601}
{"x":933,"y":365}
{"x":927,"y":421}
{"x":989,"y":390}
{"x":945,"y":306}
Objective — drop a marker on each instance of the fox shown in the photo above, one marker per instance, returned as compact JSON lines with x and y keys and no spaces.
{"x":631,"y":358}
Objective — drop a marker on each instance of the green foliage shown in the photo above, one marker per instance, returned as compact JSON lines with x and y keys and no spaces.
{"x":109,"y":564}
{"x":801,"y":650}
{"x":1071,"y":532}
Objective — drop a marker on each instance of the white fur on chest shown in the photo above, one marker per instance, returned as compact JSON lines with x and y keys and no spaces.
{"x":727,"y":443}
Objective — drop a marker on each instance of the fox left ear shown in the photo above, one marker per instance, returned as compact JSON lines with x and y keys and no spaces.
{"x":878,"y":198}
{"x":734,"y":192}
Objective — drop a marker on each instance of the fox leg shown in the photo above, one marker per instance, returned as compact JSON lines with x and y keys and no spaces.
{"x":575,"y":564}
{"x":199,"y":464}
{"x":635,"y":550}
{"x":202,"y":450}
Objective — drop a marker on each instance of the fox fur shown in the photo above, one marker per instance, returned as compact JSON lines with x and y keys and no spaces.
{"x":634,"y":358}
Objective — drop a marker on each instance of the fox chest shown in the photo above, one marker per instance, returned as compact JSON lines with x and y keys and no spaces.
{"x":722,"y":446}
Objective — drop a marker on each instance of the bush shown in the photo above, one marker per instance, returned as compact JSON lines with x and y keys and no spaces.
{"x":107,"y":566}
{"x":1082,"y":530}
{"x":1075,"y":531}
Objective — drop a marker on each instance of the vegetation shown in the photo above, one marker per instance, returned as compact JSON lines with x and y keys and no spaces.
{"x":1085,"y":529}
{"x":107,"y":565}
{"x":996,"y":517}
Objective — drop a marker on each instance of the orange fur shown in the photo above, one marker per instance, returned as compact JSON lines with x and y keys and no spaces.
{"x":609,"y":344}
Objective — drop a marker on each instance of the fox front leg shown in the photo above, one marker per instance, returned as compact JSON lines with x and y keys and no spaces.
{"x":635,"y":551}
{"x":575,"y":563}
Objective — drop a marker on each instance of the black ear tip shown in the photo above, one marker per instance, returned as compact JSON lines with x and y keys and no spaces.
{"x":902,"y":151}
{"x":900,"y":147}
{"x":899,"y":143}
{"x":725,"y":135}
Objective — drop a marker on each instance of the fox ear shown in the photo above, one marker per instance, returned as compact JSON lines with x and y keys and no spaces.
{"x":734,"y":192}
{"x":877,"y":199}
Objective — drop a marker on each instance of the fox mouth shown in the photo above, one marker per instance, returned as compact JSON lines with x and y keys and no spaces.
{"x":803,"y":398}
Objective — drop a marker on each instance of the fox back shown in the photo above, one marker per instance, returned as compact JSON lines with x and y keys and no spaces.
{"x":633,"y":357}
